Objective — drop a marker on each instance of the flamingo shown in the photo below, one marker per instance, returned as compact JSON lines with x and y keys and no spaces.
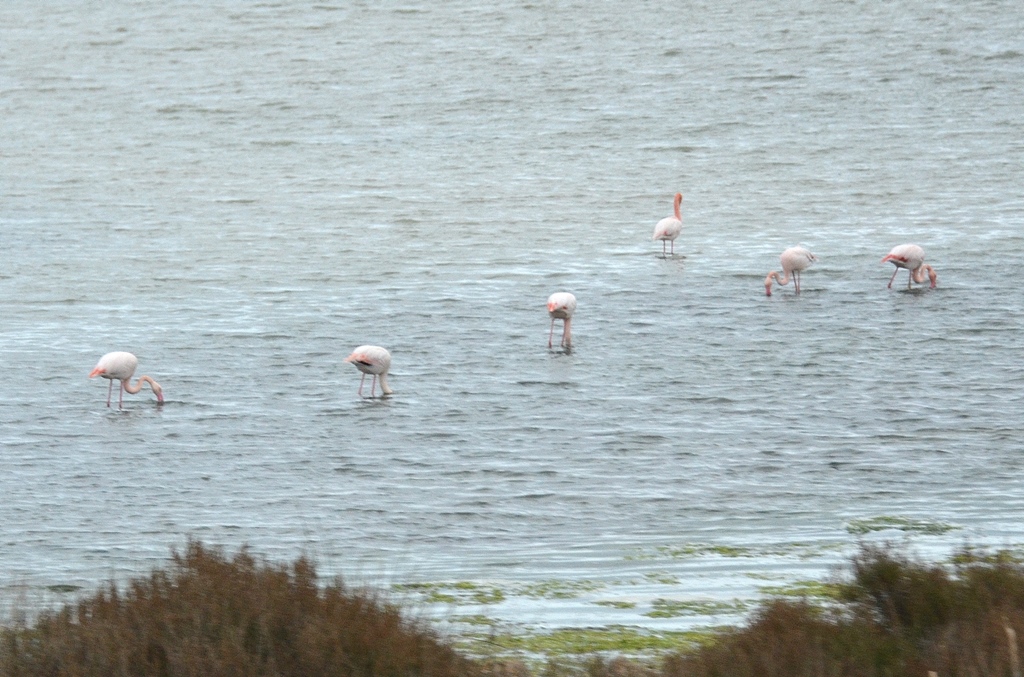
{"x":561,"y":306}
{"x":911,"y":257}
{"x":668,"y":229}
{"x":794,"y":261}
{"x":372,"y":360}
{"x":119,"y":366}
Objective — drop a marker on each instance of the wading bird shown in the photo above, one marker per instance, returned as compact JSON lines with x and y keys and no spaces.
{"x":372,"y":360}
{"x":911,"y":257}
{"x":561,"y":306}
{"x":120,"y":366}
{"x":794,"y":261}
{"x":668,"y":229}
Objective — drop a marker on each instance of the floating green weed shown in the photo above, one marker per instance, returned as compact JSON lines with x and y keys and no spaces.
{"x":488,"y":596}
{"x":662,"y":577}
{"x":465,"y":592}
{"x":686,"y":550}
{"x":574,"y":641}
{"x":883,"y":522}
{"x":415,"y":587}
{"x":999,"y":557}
{"x":63,"y":588}
{"x":558,"y":589}
{"x":760,"y":576}
{"x":475,"y":619}
{"x":696,"y":550}
{"x":437,"y":597}
{"x":615,"y":604}
{"x":804,"y":589}
{"x":669,"y":608}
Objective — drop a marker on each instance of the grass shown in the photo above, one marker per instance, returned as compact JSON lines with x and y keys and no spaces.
{"x":210,"y":614}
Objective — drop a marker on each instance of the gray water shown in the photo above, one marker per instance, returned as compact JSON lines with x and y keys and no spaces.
{"x":240,"y":193}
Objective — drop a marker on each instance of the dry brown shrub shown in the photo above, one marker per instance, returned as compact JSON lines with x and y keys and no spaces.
{"x":211,"y":615}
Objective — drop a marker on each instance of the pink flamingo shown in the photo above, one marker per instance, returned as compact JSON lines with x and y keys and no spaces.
{"x":561,"y":306}
{"x":794,"y":261}
{"x":668,"y":229}
{"x":120,"y":366}
{"x":911,"y":257}
{"x":372,"y":360}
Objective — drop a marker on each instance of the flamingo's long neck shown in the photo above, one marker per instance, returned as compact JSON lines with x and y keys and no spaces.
{"x":782,"y":278}
{"x":678,"y":201}
{"x":567,"y":332}
{"x":919,"y":273}
{"x":134,"y":389}
{"x":383,"y":378}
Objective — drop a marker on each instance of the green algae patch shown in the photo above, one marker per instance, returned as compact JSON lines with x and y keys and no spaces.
{"x":662,"y":577}
{"x":670,"y":608}
{"x":805,"y":589}
{"x":475,"y":620}
{"x":460,"y":592}
{"x":616,"y":604}
{"x":63,"y":588}
{"x":558,"y":589}
{"x":698,"y":550}
{"x":860,"y":527}
{"x":488,"y":596}
{"x":998,"y":558}
{"x":687,"y":551}
{"x":620,"y":639}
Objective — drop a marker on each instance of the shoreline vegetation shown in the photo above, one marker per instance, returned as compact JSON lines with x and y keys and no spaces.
{"x":208,"y":613}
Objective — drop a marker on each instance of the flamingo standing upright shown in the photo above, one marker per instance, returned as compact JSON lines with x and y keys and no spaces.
{"x":120,"y":366}
{"x":372,"y":360}
{"x":561,"y":306}
{"x":668,"y":229}
{"x":911,"y":257}
{"x":794,"y":261}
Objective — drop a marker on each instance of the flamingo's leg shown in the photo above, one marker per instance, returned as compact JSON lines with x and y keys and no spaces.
{"x":373,"y":387}
{"x":120,"y":399}
{"x":796,"y":280}
{"x":363,"y":379}
{"x":893,"y":277}
{"x":551,"y":333}
{"x":110,"y":390}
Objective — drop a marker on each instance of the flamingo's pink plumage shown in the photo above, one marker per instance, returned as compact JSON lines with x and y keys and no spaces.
{"x":794,"y":261}
{"x":375,"y":361}
{"x":668,"y":229}
{"x":120,"y":366}
{"x":911,"y":257}
{"x":561,"y":306}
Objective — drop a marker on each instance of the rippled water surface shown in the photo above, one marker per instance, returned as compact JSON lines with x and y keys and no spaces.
{"x":240,"y":193}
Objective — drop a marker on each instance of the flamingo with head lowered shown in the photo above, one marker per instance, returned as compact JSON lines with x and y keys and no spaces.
{"x":561,"y":306}
{"x":668,"y":229}
{"x":375,"y":361}
{"x":911,"y":257}
{"x":120,"y":366}
{"x":794,"y":261}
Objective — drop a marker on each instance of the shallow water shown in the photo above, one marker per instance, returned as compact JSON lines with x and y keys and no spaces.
{"x":241,"y":193}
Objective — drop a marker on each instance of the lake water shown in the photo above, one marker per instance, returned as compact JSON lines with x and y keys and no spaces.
{"x":240,"y":193}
